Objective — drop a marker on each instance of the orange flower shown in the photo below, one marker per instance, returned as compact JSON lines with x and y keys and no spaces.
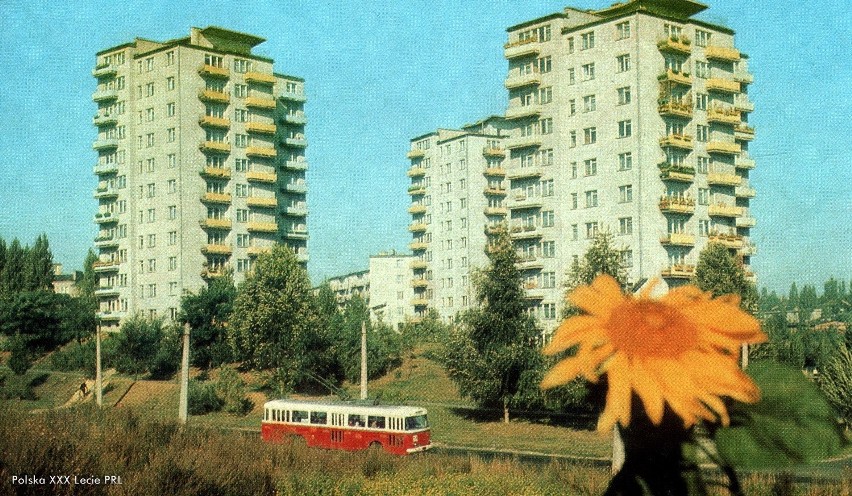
{"x":680,"y":350}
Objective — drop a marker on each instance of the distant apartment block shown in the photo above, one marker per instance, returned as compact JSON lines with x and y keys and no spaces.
{"x":633,"y":119}
{"x":201,"y":167}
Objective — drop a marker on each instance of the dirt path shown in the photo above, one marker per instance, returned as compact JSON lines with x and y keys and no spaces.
{"x":79,"y":396}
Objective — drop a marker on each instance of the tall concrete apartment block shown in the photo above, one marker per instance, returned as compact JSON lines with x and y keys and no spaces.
{"x":200,"y":167}
{"x":458,"y":196}
{"x":632,"y":119}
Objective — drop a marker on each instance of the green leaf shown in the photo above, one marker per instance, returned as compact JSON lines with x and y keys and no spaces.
{"x":792,"y":424}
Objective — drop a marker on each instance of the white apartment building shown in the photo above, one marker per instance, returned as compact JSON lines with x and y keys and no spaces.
{"x":200,"y":167}
{"x":634,"y":119}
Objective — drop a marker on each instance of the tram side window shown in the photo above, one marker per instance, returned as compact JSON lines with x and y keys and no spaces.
{"x":319,"y":418}
{"x":300,"y":416}
{"x":417,"y":422}
{"x":376,"y":422}
{"x":356,"y":420}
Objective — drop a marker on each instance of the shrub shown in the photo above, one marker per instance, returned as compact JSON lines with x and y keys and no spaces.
{"x":202,"y":398}
{"x":19,"y":360}
{"x":166,"y":361}
{"x":836,"y":383}
{"x":232,"y":390}
{"x":75,"y":356}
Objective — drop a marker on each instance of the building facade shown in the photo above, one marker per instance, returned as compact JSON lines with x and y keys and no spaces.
{"x":631,"y":119}
{"x":200,"y":167}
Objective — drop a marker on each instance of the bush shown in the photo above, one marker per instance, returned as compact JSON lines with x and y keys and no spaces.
{"x":835,"y":381}
{"x":19,"y":360}
{"x":166,"y":361}
{"x":75,"y":356}
{"x":202,"y":398}
{"x":232,"y":390}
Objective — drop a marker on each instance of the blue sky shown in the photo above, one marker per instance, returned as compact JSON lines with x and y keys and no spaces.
{"x":379,"y":73}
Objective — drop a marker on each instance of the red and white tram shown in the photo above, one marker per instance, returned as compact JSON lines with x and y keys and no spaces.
{"x":397,"y":429}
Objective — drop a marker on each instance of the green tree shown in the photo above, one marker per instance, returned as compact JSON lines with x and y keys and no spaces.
{"x":808,"y":302}
{"x":831,"y":299}
{"x":208,"y":314}
{"x":492,"y":354}
{"x":835,"y":381}
{"x":719,"y":273}
{"x":36,"y":316}
{"x":3,"y":254}
{"x":273,"y":324}
{"x":14,"y":268}
{"x":383,"y":344}
{"x":137,"y":344}
{"x":19,"y":358}
{"x":602,"y":257}
{"x":793,"y":297}
{"x":38,"y":266}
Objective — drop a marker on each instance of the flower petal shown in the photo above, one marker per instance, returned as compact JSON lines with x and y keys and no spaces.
{"x":618,"y":395}
{"x":600,"y":298}
{"x":569,"y":333}
{"x":648,"y":391}
{"x":562,"y":373}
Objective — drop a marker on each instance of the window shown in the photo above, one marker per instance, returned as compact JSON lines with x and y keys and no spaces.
{"x":573,"y":170}
{"x":703,"y":196}
{"x":152,"y":293}
{"x":625,"y":128}
{"x":152,"y":190}
{"x":149,"y":89}
{"x":214,"y":60}
{"x":170,"y":109}
{"x":544,"y":64}
{"x":172,"y":160}
{"x":590,"y":167}
{"x":572,"y":106}
{"x":701,"y":101}
{"x":702,"y":38}
{"x":240,"y":90}
{"x":587,"y":40}
{"x":625,"y":161}
{"x":703,"y":227}
{"x":672,"y":31}
{"x":152,"y":215}
{"x":172,"y":212}
{"x":702,"y":69}
{"x":241,"y":140}
{"x":627,"y":258}
{"x":544,"y":157}
{"x":625,"y":226}
{"x":571,"y":45}
{"x":241,"y":66}
{"x":546,"y":126}
{"x":623,"y":62}
{"x":573,"y":201}
{"x":242,"y":215}
{"x":622,"y":30}
{"x":591,"y":229}
{"x":242,"y":265}
{"x":172,"y":184}
{"x":702,"y":165}
{"x":149,"y":114}
{"x":152,"y":240}
{"x":547,"y":218}
{"x":240,"y":115}
{"x":590,"y":135}
{"x":588,"y":71}
{"x":241,"y":164}
{"x":589,"y":104}
{"x":592,"y":198}
{"x":152,"y":265}
{"x":149,"y":64}
{"x":625,"y":193}
{"x":572,"y":76}
{"x":624,"y":95}
{"x":548,"y":249}
{"x":547,"y":188}
{"x":149,"y":140}
{"x":545,"y":95}
{"x":241,"y":190}
{"x":170,"y":57}
{"x":150,"y":165}
{"x":702,"y":132}
{"x":171,"y":134}
{"x":170,"y":83}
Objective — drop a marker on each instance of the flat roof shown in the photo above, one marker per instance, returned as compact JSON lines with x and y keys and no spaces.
{"x":331,"y":405}
{"x":233,"y":35}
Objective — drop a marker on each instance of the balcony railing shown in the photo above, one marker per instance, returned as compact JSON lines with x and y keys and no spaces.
{"x":104,"y":120}
{"x":211,"y":121}
{"x":260,"y":102}
{"x":723,"y":179}
{"x":724,"y":115}
{"x":295,"y":118}
{"x":102,"y":95}
{"x":214,"y":96}
{"x":677,"y":205}
{"x":213,"y":71}
{"x":254,"y":251}
{"x":724,"y":147}
{"x":494,"y":172}
{"x":523,"y":142}
{"x":104,"y":71}
{"x":105,"y":218}
{"x":676,"y":108}
{"x":490,"y":151}
{"x":296,"y":210}
{"x":723,"y":85}
{"x":268,"y":227}
{"x":678,"y":239}
{"x":675,"y":140}
{"x":522,"y":172}
{"x":296,"y":142}
{"x":216,"y":249}
{"x":261,"y":177}
{"x":521,"y":48}
{"x":420,"y":302}
{"x":417,"y":227}
{"x":744,"y":191}
{"x":494,"y":191}
{"x":106,"y":193}
{"x":744,"y":77}
{"x":741,"y":102}
{"x":743,"y":161}
{"x":733,"y":241}
{"x":682,"y":173}
{"x":723,"y":210}
{"x":215,"y":147}
{"x":417,"y":209}
{"x":106,"y":266}
{"x":216,"y":197}
{"x":496,"y":210}
{"x":418,"y":245}
{"x":297,"y":233}
{"x":415,"y":153}
{"x":722,"y":53}
{"x":261,"y":202}
{"x":105,"y":169}
{"x":519,"y":81}
{"x":419,"y":282}
{"x":259,"y":77}
{"x":677,"y":44}
{"x":261,"y":151}
{"x":416,"y":190}
{"x":216,"y":172}
{"x":678,"y":77}
{"x":213,"y":273}
{"x":296,"y":96}
{"x":295,"y":165}
{"x":746,"y":221}
{"x":744,"y":132}
{"x":679,"y":271}
{"x":522,"y":111}
{"x":215,"y":223}
{"x":416,"y":171}
{"x":260,"y":128}
{"x":418,"y":264}
{"x":296,"y":188}
{"x":525,"y":232}
{"x":105,"y":144}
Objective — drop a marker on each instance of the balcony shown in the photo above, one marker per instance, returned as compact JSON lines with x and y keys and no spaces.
{"x":296,"y":211}
{"x":524,"y":172}
{"x":416,"y":153}
{"x":301,"y":234}
{"x":296,"y":142}
{"x":297,"y":118}
{"x":724,"y":115}
{"x":104,"y":193}
{"x":295,"y":165}
{"x":496,"y":210}
{"x":680,"y":173}
{"x":494,"y":172}
{"x":523,"y":202}
{"x":213,"y":273}
{"x":417,"y":227}
{"x":733,"y":241}
{"x":254,"y":251}
{"x":493,"y":229}
{"x":420,"y":302}
{"x":105,"y":218}
{"x":419,"y":283}
{"x":260,"y":102}
{"x":521,"y":48}
{"x":676,"y":109}
{"x":260,"y":128}
{"x":682,"y":78}
{"x":213,"y":71}
{"x":107,"y":266}
{"x":741,"y":102}
{"x":494,"y":191}
{"x":678,"y":239}
{"x":744,"y":132}
{"x":259,"y":77}
{"x":105,"y":144}
{"x":722,"y":53}
{"x":525,"y":232}
{"x":490,"y":151}
{"x":678,"y":271}
{"x":723,"y":179}
{"x":744,"y":191}
{"x":267,"y":227}
{"x":106,"y":291}
{"x":216,"y":249}
{"x":416,"y":172}
{"x":214,"y":96}
{"x":105,"y":169}
{"x":417,"y":208}
{"x":722,"y":210}
{"x":101,"y":120}
{"x":723,"y":147}
{"x":261,"y":152}
{"x":418,"y":264}
{"x":104,"y":95}
{"x":106,"y":241}
{"x":216,"y":172}
{"x":104,"y":70}
{"x":677,"y":205}
{"x":744,"y":77}
{"x":211,"y":121}
{"x":749,"y":249}
{"x":261,"y":202}
{"x":215,"y":147}
{"x":416,"y":190}
{"x":523,"y":111}
{"x":683,"y":141}
{"x":215,"y":224}
{"x":723,"y":85}
{"x":743,"y":161}
{"x":223,"y":198}
{"x":526,"y":262}
{"x":261,"y":177}
{"x":746,"y":222}
{"x":295,"y":96}
{"x":523,"y":142}
{"x":676,"y":44}
{"x":418,"y":245}
{"x":297,"y":187}
{"x":522,"y":80}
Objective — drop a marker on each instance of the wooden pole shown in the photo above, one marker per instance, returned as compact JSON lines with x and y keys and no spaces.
{"x":184,"y":376}
{"x":99,"y":390}
{"x":363,"y":360}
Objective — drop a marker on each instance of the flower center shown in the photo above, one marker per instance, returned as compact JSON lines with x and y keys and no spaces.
{"x":650,"y":328}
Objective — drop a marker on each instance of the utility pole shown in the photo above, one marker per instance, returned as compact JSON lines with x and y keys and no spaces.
{"x":184,"y":376}
{"x":99,"y":390}
{"x":363,"y":360}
